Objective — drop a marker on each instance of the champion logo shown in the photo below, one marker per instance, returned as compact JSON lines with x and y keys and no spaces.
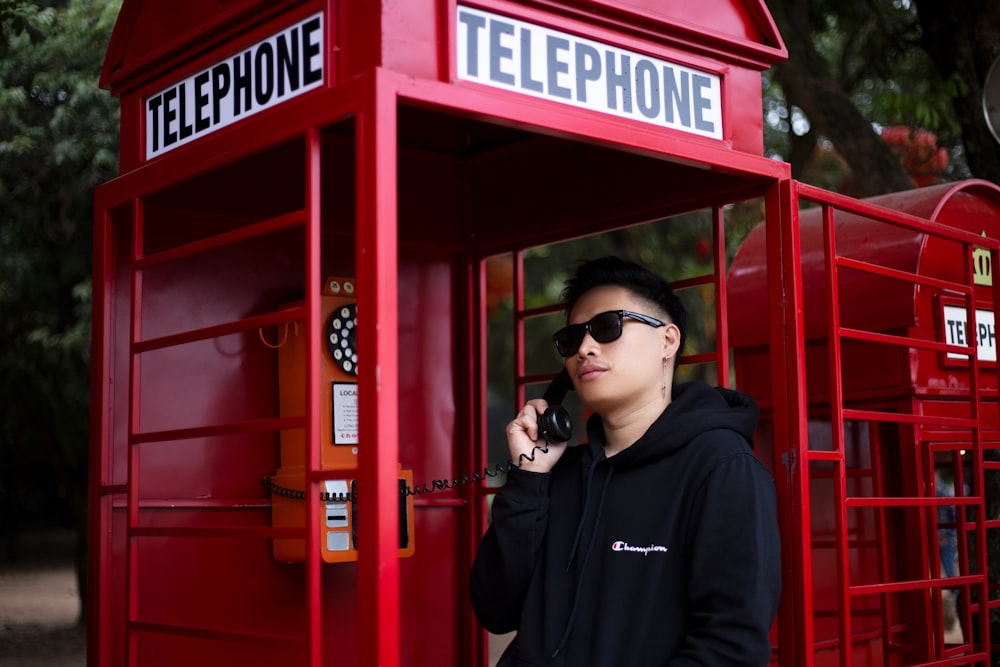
{"x":621,"y":545}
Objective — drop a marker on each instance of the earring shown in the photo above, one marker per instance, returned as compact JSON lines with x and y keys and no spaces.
{"x":664,"y":378}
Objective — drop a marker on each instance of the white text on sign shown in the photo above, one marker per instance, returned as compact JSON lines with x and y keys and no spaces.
{"x":524,"y":58}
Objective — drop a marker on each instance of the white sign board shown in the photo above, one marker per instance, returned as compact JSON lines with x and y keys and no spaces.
{"x":533,"y":60}
{"x":272,"y":71}
{"x":956,"y":332}
{"x":345,"y":413}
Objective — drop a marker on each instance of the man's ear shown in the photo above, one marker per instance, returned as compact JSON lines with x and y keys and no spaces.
{"x":671,"y":340}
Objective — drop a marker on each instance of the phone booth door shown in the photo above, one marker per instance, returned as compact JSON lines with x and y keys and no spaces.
{"x":902,"y":417}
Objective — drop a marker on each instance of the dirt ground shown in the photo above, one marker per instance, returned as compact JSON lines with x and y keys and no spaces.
{"x":39,"y":608}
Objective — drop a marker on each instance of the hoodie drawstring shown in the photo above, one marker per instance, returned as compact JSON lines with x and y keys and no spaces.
{"x":590,"y":549}
{"x":583,"y":514}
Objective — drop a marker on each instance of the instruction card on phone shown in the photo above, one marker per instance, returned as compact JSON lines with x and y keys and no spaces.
{"x":345,"y":413}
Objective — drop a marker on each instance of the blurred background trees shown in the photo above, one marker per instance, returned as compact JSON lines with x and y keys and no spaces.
{"x":873,"y":90}
{"x":58,"y":139}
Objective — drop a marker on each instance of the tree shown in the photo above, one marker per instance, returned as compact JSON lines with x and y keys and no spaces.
{"x":58,"y":139}
{"x":855,"y":67}
{"x":963,"y":40}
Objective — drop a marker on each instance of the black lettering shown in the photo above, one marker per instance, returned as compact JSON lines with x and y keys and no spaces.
{"x":473,"y":24}
{"x":264,"y":74}
{"x":983,"y":264}
{"x":986,"y":335}
{"x":288,"y":61}
{"x":526,"y":80}
{"x":311,"y":42}
{"x":499,"y":52}
{"x":186,"y":128}
{"x":553,"y":45}
{"x":701,"y":103}
{"x":201,"y":122}
{"x":588,"y":68}
{"x":619,"y":80}
{"x":647,"y":88}
{"x":154,"y":105}
{"x":952,"y":334}
{"x":242,"y":83}
{"x":676,"y":96}
{"x":220,"y":88}
{"x":169,"y":115}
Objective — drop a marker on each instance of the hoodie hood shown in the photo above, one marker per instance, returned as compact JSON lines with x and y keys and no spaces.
{"x":704,"y":408}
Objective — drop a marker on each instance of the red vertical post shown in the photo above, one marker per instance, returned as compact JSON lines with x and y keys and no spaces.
{"x":378,"y":378}
{"x":134,"y":409}
{"x":978,"y":459}
{"x":99,"y":470}
{"x":314,"y":561}
{"x":837,"y":456}
{"x":518,"y":287}
{"x":721,"y":296}
{"x":475,"y":494}
{"x":787,"y":343}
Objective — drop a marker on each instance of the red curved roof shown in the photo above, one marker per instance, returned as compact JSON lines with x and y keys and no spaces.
{"x":868,"y":302}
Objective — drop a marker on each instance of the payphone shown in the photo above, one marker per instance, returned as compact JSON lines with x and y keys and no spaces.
{"x":339,"y":440}
{"x":339,"y":436}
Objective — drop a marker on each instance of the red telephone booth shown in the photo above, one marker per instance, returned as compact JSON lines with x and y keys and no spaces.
{"x":898,"y":470}
{"x":273,"y":153}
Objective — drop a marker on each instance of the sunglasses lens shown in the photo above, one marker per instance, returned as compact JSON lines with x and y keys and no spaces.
{"x":606,"y":327}
{"x":568,"y":339}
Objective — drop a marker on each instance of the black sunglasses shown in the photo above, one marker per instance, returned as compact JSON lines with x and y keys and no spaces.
{"x":604,"y":328}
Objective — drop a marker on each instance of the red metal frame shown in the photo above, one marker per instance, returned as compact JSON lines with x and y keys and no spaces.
{"x":378,"y":584}
{"x":312,"y":327}
{"x":377,"y":262}
{"x":939,"y":420}
{"x":788,"y":406}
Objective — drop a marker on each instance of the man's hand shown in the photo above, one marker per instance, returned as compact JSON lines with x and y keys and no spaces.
{"x":526,"y":450}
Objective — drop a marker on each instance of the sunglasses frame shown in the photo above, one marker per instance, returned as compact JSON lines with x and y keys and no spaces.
{"x":586,"y":328}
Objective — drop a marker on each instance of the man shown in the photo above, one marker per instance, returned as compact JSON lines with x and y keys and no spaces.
{"x":655,"y":542}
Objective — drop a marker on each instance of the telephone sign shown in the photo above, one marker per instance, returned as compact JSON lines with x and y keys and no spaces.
{"x":524,"y":58}
{"x":276,"y":69}
{"x":957,"y":332}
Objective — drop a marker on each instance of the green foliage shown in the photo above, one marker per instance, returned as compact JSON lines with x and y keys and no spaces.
{"x":58,"y":139}
{"x":872,"y":49}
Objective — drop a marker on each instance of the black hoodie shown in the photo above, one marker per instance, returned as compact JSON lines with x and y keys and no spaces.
{"x":665,"y":554}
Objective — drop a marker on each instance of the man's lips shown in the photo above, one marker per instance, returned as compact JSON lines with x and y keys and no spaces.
{"x":588,"y":371}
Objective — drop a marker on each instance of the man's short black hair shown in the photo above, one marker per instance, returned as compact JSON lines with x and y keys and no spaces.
{"x":642,"y":282}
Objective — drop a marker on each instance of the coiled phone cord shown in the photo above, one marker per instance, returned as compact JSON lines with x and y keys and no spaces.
{"x":416,"y":489}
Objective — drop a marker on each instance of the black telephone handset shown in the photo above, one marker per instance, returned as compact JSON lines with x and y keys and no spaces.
{"x":555,"y":425}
